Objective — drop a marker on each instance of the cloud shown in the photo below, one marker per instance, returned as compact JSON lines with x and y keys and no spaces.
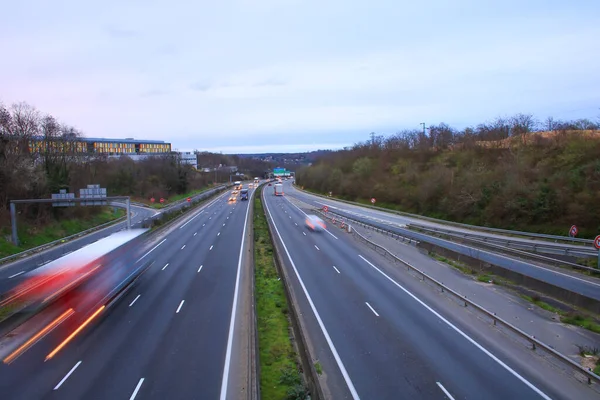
{"x":271,"y":82}
{"x":155,"y":92}
{"x":200,"y":86}
{"x":120,"y":33}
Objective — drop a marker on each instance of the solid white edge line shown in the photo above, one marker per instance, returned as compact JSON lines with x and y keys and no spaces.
{"x":191,"y":219}
{"x":460,"y":332}
{"x":326,"y":230}
{"x":372,"y":309}
{"x":337,"y":270}
{"x":17,"y":274}
{"x":66,"y":376}
{"x":445,"y":391}
{"x":166,"y":265}
{"x":134,"y":300}
{"x":151,"y":250}
{"x":338,"y":360}
{"x":180,"y":305}
{"x":200,"y":269}
{"x":225,"y":379}
{"x":137,"y":389}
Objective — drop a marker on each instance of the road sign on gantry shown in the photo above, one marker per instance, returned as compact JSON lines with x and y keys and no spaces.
{"x":373,"y":200}
{"x":573,"y":231}
{"x":597,"y":242}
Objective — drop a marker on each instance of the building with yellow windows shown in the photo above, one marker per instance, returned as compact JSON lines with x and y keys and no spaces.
{"x":110,"y":147}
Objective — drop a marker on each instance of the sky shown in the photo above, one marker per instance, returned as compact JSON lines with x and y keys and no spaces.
{"x":250,"y":76}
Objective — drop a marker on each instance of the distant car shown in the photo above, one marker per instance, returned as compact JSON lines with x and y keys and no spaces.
{"x":232,"y":197}
{"x":270,"y":184}
{"x":315,"y":223}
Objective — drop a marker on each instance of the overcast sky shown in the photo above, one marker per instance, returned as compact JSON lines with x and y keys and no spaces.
{"x":296,"y":75}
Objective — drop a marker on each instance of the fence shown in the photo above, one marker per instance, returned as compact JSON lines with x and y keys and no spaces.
{"x":535,"y":344}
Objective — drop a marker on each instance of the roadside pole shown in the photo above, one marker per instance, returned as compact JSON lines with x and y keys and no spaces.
{"x":13,"y":222}
{"x":128,"y":202}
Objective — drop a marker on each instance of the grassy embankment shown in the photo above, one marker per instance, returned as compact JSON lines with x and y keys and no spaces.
{"x":31,"y":236}
{"x":279,"y":371}
{"x":566,"y":317}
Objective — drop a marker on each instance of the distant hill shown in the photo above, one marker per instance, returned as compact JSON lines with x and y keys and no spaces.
{"x":288,"y":159}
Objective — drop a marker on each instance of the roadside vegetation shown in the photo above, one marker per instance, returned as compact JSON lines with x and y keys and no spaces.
{"x":32,"y":235}
{"x":280,"y":376}
{"x":567,"y":317}
{"x":513,"y":173}
{"x":57,"y":165}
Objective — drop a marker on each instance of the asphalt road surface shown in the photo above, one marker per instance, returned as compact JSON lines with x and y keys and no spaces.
{"x":10,"y":273}
{"x":402,"y":220}
{"x":587,"y":286}
{"x":168,"y":338}
{"x":374,"y":338}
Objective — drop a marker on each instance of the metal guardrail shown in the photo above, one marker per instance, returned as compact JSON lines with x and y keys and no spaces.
{"x":499,"y":260}
{"x":367,"y":226}
{"x":533,"y":235}
{"x":43,"y":247}
{"x":546,"y":248}
{"x":535,"y":343}
{"x":504,"y":249}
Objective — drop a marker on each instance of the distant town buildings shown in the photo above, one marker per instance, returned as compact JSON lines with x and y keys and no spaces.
{"x":188,"y":157}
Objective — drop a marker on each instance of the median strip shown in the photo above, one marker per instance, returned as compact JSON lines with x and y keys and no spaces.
{"x":279,"y":364}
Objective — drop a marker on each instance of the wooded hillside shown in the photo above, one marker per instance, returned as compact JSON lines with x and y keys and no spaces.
{"x":28,"y":175}
{"x":503,"y":174}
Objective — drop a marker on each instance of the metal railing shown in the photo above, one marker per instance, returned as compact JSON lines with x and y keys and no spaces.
{"x":535,"y":343}
{"x":43,"y":247}
{"x":519,"y":244}
{"x":505,"y":249}
{"x":555,"y":238}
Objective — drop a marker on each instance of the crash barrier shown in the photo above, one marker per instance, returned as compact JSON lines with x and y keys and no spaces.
{"x":367,"y":226}
{"x":146,"y":240}
{"x":554,"y":238}
{"x":575,"y":291}
{"x":43,"y":247}
{"x":518,"y":244}
{"x":488,"y":244}
{"x":311,"y":374}
{"x":537,"y":346}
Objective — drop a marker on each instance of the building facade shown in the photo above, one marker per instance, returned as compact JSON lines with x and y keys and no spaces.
{"x":110,"y":147}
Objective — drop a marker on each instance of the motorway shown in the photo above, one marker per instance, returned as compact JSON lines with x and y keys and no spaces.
{"x":397,"y":220}
{"x":170,"y":337}
{"x":10,"y":273}
{"x":377,"y":339}
{"x":572,"y":281}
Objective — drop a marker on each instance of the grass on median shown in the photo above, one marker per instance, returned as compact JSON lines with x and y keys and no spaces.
{"x":30,"y":236}
{"x":279,"y":372}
